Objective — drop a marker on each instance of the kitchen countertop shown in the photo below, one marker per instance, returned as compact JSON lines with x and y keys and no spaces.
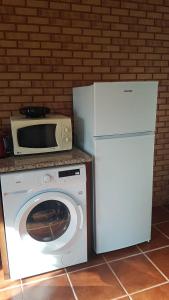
{"x":27,"y":162}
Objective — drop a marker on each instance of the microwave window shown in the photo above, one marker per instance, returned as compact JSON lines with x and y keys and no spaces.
{"x":37,"y":136}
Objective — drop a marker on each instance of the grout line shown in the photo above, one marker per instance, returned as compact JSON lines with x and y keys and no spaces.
{"x":10,"y":287}
{"x":152,"y":250}
{"x":149,"y":288}
{"x":121,"y":258}
{"x":110,"y":268}
{"x":162,"y":222}
{"x":84,"y":268}
{"x":42,"y":279}
{"x":120,"y":297}
{"x":161,"y":231}
{"x":22,"y":291}
{"x":166,"y":278}
{"x":71,"y":285}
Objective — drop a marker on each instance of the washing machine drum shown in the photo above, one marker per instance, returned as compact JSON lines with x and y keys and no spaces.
{"x":49,"y":222}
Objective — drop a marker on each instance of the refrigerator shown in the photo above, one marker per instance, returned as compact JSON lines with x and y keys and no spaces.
{"x":115,"y":123}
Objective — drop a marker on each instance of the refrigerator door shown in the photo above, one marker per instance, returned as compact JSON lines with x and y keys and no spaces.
{"x":123,"y":191}
{"x":124,"y":107}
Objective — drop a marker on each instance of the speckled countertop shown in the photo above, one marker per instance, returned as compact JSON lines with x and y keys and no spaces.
{"x":27,"y":162}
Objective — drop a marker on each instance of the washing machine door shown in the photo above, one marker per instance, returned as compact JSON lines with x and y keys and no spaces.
{"x":49,"y":222}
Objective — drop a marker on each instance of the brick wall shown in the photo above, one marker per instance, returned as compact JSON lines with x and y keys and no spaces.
{"x":46,"y":47}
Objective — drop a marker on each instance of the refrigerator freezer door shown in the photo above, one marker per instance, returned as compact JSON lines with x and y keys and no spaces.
{"x":123,"y":191}
{"x":124,"y":107}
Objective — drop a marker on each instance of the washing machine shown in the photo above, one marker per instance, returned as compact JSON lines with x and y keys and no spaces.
{"x":45,"y":219}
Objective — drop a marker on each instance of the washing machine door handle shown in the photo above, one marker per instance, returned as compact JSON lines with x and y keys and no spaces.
{"x":81,"y":217}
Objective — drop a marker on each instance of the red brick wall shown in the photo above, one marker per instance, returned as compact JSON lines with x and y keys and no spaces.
{"x":46,"y":47}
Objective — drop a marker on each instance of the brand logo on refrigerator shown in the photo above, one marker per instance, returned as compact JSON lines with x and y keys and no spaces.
{"x":127,"y":91}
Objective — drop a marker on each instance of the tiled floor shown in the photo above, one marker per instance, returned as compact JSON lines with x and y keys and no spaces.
{"x":140,"y":272}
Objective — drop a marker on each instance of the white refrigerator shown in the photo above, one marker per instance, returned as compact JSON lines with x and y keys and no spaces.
{"x":115,"y":123}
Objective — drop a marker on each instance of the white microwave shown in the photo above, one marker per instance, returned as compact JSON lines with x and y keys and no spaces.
{"x":48,"y":134}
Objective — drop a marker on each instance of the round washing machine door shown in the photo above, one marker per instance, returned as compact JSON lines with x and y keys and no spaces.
{"x":49,"y":222}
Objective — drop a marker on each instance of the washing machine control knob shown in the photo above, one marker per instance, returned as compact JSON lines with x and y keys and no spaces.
{"x":47,"y":178}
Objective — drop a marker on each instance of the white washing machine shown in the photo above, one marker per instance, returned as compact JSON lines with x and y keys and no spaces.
{"x":45,"y":219}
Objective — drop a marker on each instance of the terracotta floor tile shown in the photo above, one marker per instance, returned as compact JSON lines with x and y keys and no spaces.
{"x":113,"y":255}
{"x":57,"y":288}
{"x":136,"y":273}
{"x":92,"y":261}
{"x":159,"y":214}
{"x":43,"y":276}
{"x":161,"y":259}
{"x":157,"y":240}
{"x":158,"y":293}
{"x":11,"y":294}
{"x":164,"y":227}
{"x":96,"y":283}
{"x":6,"y":283}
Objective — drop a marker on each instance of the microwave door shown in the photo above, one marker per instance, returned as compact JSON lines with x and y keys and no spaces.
{"x":37,"y":136}
{"x":53,"y":133}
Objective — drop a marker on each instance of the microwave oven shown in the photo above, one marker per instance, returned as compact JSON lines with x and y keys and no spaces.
{"x":49,"y":134}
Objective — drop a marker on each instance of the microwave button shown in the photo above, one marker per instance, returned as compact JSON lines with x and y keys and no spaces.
{"x":66,"y":129}
{"x":66,"y":139}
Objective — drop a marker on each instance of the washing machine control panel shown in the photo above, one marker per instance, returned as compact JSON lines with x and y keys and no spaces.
{"x":61,"y":175}
{"x":23,"y":181}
